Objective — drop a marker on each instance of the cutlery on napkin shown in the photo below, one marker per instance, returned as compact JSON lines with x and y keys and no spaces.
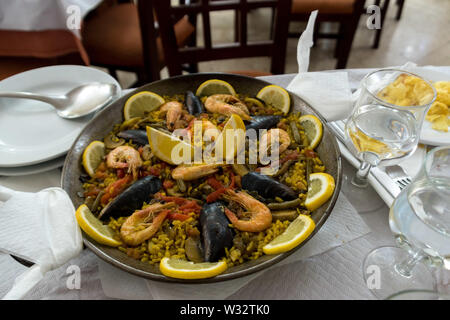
{"x":38,"y":227}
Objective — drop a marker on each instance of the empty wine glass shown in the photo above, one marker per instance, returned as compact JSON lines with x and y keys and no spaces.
{"x":418,"y":295}
{"x":420,"y":221}
{"x":382,"y":133}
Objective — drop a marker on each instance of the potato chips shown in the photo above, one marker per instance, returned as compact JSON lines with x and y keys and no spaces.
{"x":412,"y":91}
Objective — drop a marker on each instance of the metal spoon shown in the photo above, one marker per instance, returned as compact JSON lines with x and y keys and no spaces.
{"x":78,"y":102}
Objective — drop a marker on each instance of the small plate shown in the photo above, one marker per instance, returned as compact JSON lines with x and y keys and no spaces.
{"x":30,"y":131}
{"x":428,"y":135}
{"x":33,"y":169}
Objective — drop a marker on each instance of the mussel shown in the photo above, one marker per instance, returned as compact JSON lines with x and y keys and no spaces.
{"x":193,"y":103}
{"x":138,"y":137}
{"x":267,"y":187}
{"x":262,"y":122}
{"x":132,"y":198}
{"x":216,"y":235}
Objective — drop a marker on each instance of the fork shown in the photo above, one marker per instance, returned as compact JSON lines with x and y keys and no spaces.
{"x":398,"y":175}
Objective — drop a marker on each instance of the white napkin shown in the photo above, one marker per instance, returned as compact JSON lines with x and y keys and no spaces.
{"x":39,"y":227}
{"x":328,"y":92}
{"x":343,"y":226}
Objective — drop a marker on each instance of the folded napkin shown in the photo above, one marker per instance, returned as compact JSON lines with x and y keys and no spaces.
{"x":38,"y":227}
{"x":328,"y":92}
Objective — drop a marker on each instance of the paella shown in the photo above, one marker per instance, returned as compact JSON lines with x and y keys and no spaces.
{"x":202,"y":181}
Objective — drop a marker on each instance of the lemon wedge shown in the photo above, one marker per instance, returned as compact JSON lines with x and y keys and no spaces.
{"x":313,"y":129}
{"x":231,"y":139}
{"x":92,"y":156}
{"x":169,"y":148}
{"x":296,"y":233}
{"x":141,"y":103}
{"x":94,"y":228}
{"x":320,"y":189}
{"x":214,"y":86}
{"x":275,"y":96}
{"x":183,"y":269}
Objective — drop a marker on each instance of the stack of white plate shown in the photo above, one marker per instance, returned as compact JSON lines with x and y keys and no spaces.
{"x":33,"y":138}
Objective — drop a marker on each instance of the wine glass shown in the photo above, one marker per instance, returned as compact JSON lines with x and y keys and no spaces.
{"x":418,"y":295}
{"x":420,"y":221}
{"x":382,"y":133}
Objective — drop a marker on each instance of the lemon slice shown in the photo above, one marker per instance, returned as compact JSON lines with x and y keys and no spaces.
{"x":296,"y":233}
{"x":92,"y":156}
{"x":313,"y":129}
{"x":169,"y":148}
{"x":234,"y":128}
{"x":94,"y":227}
{"x":275,"y":96}
{"x":252,"y":101}
{"x":183,"y":269}
{"x":140,"y":103}
{"x":320,"y":189}
{"x":215,"y":86}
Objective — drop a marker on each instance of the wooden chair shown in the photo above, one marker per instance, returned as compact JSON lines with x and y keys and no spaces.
{"x":175,"y":56}
{"x":123,"y":36}
{"x":25,"y":50}
{"x":345,"y":12}
{"x":400,"y":4}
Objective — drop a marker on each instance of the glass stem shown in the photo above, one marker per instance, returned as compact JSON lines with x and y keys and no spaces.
{"x":360,"y":179}
{"x":405,"y":267}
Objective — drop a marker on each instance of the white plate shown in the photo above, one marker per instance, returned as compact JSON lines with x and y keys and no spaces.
{"x":429,"y":135}
{"x":36,"y":168}
{"x":30,"y":131}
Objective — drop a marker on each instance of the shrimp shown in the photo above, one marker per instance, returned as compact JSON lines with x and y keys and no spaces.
{"x":125,"y":157}
{"x":192,"y":172}
{"x":280,"y":136}
{"x":209,"y":130}
{"x":143,"y":224}
{"x":260,"y":216}
{"x":227,"y":104}
{"x":174,"y":111}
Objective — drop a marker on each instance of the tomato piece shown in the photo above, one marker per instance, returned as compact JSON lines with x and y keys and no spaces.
{"x":232,"y":183}
{"x":213,"y":182}
{"x":190,"y":206}
{"x":154,"y":171}
{"x":177,"y":200}
{"x":310,"y":153}
{"x":177,"y":216}
{"x":215,"y":195}
{"x":120,"y":173}
{"x":115,"y":188}
{"x":167,"y":184}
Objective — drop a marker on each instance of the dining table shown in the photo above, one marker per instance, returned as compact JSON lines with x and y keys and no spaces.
{"x":334,"y":274}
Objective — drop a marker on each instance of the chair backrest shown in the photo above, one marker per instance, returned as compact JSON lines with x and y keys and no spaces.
{"x":175,"y":56}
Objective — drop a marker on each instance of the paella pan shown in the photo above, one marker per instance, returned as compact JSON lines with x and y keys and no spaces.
{"x":229,"y":213}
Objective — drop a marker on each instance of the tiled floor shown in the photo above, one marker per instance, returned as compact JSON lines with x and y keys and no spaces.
{"x":421,"y":36}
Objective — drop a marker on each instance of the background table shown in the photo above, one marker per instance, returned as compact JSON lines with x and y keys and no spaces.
{"x":336,"y":274}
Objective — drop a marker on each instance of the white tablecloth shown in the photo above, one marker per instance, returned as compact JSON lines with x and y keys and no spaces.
{"x":37,"y":15}
{"x":335,"y":274}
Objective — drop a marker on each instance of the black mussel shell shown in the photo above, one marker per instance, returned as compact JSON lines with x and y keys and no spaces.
{"x":267,"y":187}
{"x":132,"y":198}
{"x":216,"y":235}
{"x":262,"y":122}
{"x":193,"y":103}
{"x":138,"y":137}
